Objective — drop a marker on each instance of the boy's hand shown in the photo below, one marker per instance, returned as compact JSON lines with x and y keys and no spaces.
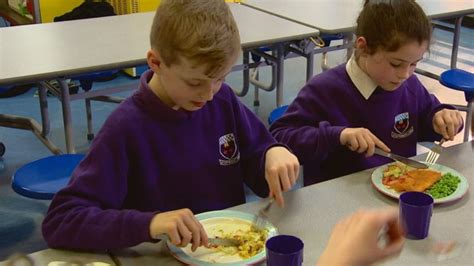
{"x":447,"y":122}
{"x":181,"y":227}
{"x":281,"y":172}
{"x":361,"y":140}
{"x":355,"y":240}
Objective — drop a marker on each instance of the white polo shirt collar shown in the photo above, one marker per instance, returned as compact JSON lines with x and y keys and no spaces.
{"x":361,"y":80}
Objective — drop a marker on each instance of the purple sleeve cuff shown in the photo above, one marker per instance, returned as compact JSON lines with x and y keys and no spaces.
{"x":141,"y":228}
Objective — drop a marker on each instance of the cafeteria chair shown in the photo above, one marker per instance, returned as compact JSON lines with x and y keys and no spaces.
{"x":276,"y":113}
{"x":86,"y":81}
{"x":41,"y":179}
{"x":461,"y":80}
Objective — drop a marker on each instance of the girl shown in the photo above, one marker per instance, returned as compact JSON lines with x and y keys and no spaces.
{"x":374,"y":100}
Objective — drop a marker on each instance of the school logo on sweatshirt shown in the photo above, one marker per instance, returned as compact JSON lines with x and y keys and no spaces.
{"x":402,"y":127}
{"x":228,"y":150}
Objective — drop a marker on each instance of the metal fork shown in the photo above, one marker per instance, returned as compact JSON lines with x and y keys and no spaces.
{"x":434,"y":152}
{"x":260,"y":218}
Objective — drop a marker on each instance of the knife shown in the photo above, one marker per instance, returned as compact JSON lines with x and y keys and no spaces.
{"x":404,"y":160}
{"x":225,"y":242}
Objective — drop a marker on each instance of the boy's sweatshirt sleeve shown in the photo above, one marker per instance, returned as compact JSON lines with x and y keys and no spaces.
{"x":87,"y":213}
{"x":305,"y":129}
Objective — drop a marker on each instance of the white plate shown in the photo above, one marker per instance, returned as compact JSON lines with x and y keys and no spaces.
{"x":228,"y":221}
{"x":462,"y":188}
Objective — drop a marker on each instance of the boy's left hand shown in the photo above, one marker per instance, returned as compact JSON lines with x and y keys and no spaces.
{"x":281,"y":172}
{"x":447,"y":122}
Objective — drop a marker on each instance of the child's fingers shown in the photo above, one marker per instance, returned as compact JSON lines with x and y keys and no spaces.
{"x":194,"y":227}
{"x":184,"y":233}
{"x":380,"y":144}
{"x":285,"y":179}
{"x":292,"y":175}
{"x":370,"y":147}
{"x":440,"y":126}
{"x":276,"y":192}
{"x":361,"y":139}
{"x":296,"y":169}
{"x":174,"y":236}
{"x":460,"y":120}
{"x":353,"y":144}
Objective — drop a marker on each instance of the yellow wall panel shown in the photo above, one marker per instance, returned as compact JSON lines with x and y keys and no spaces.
{"x":53,"y":8}
{"x":133,"y":6}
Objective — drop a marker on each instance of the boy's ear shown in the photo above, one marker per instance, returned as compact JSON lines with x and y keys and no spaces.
{"x":361,"y":44}
{"x":154,"y":61}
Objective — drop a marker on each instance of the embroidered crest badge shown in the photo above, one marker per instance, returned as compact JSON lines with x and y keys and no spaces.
{"x":228,"y":150}
{"x":402,"y":127}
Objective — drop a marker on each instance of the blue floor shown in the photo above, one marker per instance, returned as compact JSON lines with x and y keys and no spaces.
{"x":20,"y":218}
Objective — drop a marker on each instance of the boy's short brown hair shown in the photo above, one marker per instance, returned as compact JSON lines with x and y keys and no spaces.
{"x":203,"y":32}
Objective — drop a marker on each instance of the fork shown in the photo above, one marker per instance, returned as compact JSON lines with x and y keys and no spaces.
{"x":260,"y":218}
{"x":434,"y":152}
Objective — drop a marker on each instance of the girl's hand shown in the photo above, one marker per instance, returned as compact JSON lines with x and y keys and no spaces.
{"x":361,"y":140}
{"x":181,"y":227}
{"x":281,"y":172}
{"x":447,"y":123}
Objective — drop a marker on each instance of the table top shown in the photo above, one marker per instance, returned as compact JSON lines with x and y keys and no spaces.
{"x":57,"y":257}
{"x":335,"y":16}
{"x":311,"y":212}
{"x":46,"y":51}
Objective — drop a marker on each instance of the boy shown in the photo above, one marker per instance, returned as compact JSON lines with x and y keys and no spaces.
{"x":182,"y":144}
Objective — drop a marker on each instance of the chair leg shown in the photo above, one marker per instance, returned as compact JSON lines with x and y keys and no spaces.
{"x":256,"y":101}
{"x":324,"y":62}
{"x":469,"y":124}
{"x":90,"y":132}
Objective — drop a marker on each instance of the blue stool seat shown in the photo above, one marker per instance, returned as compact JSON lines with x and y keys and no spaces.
{"x":276,"y":113}
{"x":458,"y":79}
{"x":461,"y":80}
{"x":41,"y":179}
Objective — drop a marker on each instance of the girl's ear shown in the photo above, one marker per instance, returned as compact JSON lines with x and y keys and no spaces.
{"x":154,"y":61}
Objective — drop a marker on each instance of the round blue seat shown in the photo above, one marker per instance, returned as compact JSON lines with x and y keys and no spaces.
{"x":461,"y":80}
{"x":41,"y":179}
{"x":276,"y":113}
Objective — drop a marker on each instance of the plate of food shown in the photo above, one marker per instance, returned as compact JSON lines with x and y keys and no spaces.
{"x":228,"y":224}
{"x":444,"y":184}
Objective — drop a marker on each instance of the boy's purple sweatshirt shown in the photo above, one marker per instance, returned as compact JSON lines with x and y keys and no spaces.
{"x":149,"y":158}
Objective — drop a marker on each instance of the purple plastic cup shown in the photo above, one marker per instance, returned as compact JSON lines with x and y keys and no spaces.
{"x":284,"y":250}
{"x":415,"y":214}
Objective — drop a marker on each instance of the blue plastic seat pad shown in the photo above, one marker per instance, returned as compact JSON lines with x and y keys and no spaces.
{"x":41,"y":179}
{"x":276,"y":113}
{"x":458,"y":79}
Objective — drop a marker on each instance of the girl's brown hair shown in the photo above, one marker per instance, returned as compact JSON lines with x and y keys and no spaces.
{"x":389,"y":24}
{"x":202,"y":31}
